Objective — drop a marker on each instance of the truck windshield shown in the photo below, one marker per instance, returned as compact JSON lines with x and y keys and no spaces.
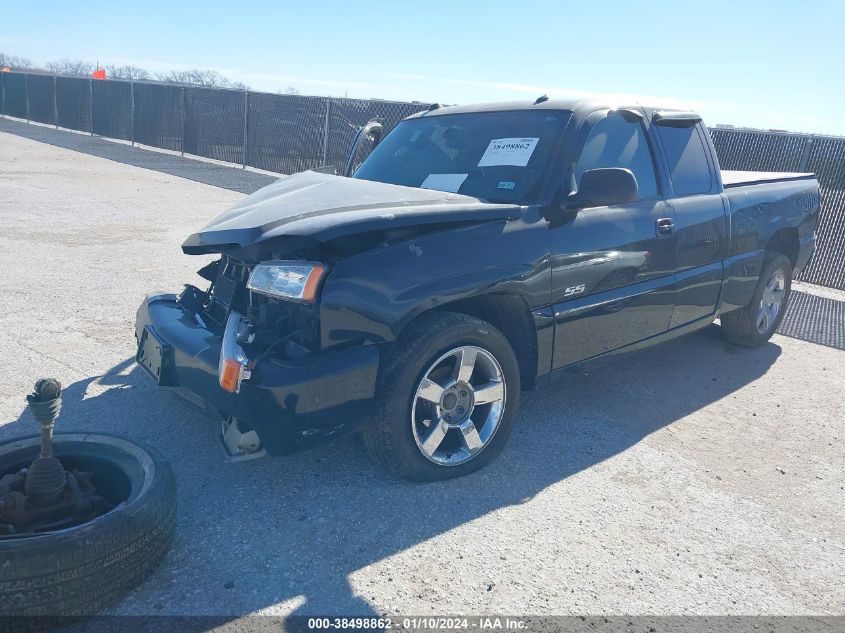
{"x":495,"y":156}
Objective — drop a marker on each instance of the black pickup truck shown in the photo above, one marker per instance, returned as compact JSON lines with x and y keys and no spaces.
{"x":477,"y":252}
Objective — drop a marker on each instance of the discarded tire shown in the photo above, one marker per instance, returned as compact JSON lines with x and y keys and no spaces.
{"x":79,"y":570}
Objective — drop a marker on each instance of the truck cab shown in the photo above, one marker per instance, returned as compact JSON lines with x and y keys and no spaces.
{"x":647,"y":265}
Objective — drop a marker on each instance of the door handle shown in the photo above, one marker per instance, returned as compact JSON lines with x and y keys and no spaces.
{"x":665,"y":227}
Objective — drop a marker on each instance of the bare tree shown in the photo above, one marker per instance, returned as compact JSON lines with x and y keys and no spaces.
{"x":196,"y":77}
{"x":15,"y":62}
{"x":80,"y":67}
{"x":238,"y":85}
{"x":129,"y":73}
{"x":76,"y":68}
{"x":20,"y":63}
{"x":290,"y":90}
{"x":208,"y":78}
{"x":174,"y":77}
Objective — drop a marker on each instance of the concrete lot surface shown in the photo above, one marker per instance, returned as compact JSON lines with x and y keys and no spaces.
{"x":696,"y":478}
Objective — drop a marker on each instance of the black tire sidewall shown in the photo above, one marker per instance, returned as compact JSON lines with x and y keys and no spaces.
{"x":79,"y":571}
{"x":772,"y":263}
{"x":399,"y":395}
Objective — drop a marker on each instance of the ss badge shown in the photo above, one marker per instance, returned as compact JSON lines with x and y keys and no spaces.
{"x":574,"y":290}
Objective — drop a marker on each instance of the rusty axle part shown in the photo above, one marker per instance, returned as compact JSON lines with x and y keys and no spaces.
{"x":44,"y":496}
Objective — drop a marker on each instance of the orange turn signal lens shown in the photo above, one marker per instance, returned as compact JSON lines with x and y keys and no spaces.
{"x":312,"y":283}
{"x":230,"y":377}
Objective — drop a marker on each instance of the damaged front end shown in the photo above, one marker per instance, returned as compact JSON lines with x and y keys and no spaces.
{"x":257,"y":327}
{"x":254,"y":362}
{"x":262,"y":347}
{"x":252,"y":324}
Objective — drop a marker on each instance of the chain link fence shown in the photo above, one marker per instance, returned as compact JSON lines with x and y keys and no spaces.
{"x":275,"y":132}
{"x":291,"y":133}
{"x":112,"y":116}
{"x":285,"y":133}
{"x":14,"y":95}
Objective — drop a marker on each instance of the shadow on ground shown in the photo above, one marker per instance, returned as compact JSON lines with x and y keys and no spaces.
{"x":223,"y":176}
{"x":254,"y":534}
{"x":815,"y":319}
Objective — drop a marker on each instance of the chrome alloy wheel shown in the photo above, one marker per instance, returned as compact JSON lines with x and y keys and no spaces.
{"x":771,"y":301}
{"x":458,"y":405}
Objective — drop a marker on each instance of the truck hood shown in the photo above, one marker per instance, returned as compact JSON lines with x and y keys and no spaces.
{"x":323,"y":207}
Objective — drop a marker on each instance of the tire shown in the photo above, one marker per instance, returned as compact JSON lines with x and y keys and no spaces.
{"x":743,"y":326}
{"x":46,"y":579}
{"x":395,"y":436}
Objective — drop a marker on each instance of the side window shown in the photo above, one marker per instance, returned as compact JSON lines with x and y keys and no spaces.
{"x":687,"y":158}
{"x":615,"y":142}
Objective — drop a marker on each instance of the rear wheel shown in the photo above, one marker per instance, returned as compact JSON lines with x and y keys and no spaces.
{"x":447,"y":395}
{"x":754,"y":324}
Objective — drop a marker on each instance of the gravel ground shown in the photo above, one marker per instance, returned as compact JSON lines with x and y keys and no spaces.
{"x":696,"y":478}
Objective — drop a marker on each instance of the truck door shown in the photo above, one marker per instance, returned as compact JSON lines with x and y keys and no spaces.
{"x":612,"y":267}
{"x":699,"y":214}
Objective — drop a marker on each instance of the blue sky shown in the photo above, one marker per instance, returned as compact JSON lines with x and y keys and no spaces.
{"x":747,"y":62}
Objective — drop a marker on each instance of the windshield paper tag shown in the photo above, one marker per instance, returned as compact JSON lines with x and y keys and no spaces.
{"x":444,"y":182}
{"x":508,"y":151}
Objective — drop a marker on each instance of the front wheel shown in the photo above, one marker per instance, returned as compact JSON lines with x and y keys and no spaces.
{"x":754,"y":324}
{"x":447,"y":395}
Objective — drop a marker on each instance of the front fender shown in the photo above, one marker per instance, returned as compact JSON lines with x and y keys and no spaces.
{"x":370,"y":297}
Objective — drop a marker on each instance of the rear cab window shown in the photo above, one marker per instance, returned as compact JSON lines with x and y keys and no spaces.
{"x":686,"y":156}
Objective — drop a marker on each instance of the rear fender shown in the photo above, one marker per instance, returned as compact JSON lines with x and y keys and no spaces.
{"x":762,"y":216}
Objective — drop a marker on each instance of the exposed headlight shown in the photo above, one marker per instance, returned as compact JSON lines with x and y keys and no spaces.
{"x":299,"y":281}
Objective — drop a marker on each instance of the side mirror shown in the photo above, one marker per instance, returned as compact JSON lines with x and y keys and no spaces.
{"x":368,"y":134}
{"x":604,"y":187}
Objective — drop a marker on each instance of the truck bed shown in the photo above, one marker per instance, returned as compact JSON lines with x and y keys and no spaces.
{"x":741,"y":178}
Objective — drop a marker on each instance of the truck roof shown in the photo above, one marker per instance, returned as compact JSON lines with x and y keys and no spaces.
{"x":546,"y":104}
